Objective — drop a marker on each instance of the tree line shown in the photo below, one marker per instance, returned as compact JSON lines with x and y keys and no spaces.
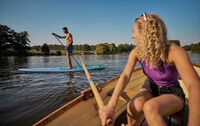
{"x":13,"y":43}
{"x":102,"y":48}
{"x":194,"y":47}
{"x":18,"y":43}
{"x":106,"y":48}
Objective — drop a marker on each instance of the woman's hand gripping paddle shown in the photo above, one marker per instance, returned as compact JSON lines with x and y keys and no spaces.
{"x":95,"y":91}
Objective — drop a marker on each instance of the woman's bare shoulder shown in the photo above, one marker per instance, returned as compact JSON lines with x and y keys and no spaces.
{"x":176,"y":49}
{"x":176,"y":52}
{"x":134,"y":53}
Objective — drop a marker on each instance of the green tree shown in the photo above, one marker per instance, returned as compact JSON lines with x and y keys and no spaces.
{"x":36,"y":47}
{"x":81,"y":47}
{"x":58,"y":53}
{"x":6,"y":39}
{"x":102,"y":48}
{"x":21,"y":42}
{"x":195,"y":48}
{"x":45,"y":49}
{"x":112,"y":48}
{"x":177,"y":42}
{"x":120,"y":48}
{"x":125,"y":48}
{"x":86,"y":47}
{"x":56,"y":47}
{"x":187,"y":47}
{"x":11,"y":39}
{"x":93,"y":47}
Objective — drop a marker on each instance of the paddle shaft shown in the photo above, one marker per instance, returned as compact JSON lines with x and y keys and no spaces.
{"x":95,"y":91}
{"x":71,"y":55}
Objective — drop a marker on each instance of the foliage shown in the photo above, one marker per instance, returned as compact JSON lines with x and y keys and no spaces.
{"x":36,"y":48}
{"x":56,"y":47}
{"x":45,"y":49}
{"x":5,"y":38}
{"x":84,"y":47}
{"x":11,"y":39}
{"x":102,"y":48}
{"x":125,"y":48}
{"x":58,"y":53}
{"x":194,"y":48}
{"x":176,"y":42}
{"x":187,"y":47}
{"x":112,"y":48}
{"x":21,"y":42}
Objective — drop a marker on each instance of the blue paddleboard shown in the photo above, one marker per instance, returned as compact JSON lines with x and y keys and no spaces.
{"x":59,"y":69}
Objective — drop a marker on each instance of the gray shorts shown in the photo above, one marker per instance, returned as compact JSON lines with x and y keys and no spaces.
{"x":160,"y":90}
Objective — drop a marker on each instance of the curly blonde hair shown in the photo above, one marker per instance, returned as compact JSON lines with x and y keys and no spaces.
{"x":153,"y":46}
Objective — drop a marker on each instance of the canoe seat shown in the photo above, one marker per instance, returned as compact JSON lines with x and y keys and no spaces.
{"x":126,"y":96}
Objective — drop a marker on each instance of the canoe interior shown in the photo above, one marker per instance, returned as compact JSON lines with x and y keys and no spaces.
{"x":84,"y":111}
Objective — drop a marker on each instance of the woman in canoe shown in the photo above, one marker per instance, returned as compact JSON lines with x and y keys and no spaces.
{"x":161,"y":62}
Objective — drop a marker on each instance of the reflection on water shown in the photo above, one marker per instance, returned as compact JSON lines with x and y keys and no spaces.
{"x":70,"y":75}
{"x":26,"y":98}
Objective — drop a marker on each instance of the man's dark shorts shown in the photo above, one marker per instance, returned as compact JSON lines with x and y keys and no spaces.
{"x":70,"y":49}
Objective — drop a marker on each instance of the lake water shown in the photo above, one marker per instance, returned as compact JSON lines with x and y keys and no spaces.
{"x":26,"y":98}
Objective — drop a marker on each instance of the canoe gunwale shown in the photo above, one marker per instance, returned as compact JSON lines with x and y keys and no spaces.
{"x":197,"y":65}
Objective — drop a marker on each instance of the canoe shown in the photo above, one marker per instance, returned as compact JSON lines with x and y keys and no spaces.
{"x":59,"y":69}
{"x":84,"y":111}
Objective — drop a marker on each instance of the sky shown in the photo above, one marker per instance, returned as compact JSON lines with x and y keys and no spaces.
{"x":98,"y":21}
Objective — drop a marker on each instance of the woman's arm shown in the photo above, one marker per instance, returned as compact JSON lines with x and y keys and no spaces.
{"x":109,"y":109}
{"x":124,"y":78}
{"x":191,"y":80}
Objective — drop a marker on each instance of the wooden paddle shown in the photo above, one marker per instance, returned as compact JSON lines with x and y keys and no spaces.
{"x":95,"y":91}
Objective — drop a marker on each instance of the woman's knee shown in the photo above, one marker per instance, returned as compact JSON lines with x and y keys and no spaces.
{"x":135,"y":105}
{"x":151,"y":107}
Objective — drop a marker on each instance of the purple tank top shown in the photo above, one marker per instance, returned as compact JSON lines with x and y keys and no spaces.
{"x":165,"y":75}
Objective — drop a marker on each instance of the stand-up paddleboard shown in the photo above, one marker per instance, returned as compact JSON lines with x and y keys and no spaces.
{"x":59,"y":69}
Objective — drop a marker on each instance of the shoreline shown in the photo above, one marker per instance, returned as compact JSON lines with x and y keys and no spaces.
{"x":59,"y":53}
{"x":52,"y":53}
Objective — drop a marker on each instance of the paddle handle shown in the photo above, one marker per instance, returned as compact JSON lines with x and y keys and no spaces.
{"x":109,"y":122}
{"x":98,"y":99}
{"x":95,"y":91}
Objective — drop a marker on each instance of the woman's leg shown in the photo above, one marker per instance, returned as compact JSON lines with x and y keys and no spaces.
{"x":135,"y":106}
{"x":155,"y":108}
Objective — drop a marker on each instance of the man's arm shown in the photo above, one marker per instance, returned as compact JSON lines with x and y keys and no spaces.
{"x":58,"y":35}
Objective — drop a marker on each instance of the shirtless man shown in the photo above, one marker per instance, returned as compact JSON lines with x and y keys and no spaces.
{"x":69,"y":46}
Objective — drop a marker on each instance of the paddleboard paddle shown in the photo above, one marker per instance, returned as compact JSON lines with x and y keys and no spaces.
{"x":71,"y":55}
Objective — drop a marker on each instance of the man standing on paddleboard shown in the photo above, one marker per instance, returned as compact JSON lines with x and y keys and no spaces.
{"x":69,"y":46}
